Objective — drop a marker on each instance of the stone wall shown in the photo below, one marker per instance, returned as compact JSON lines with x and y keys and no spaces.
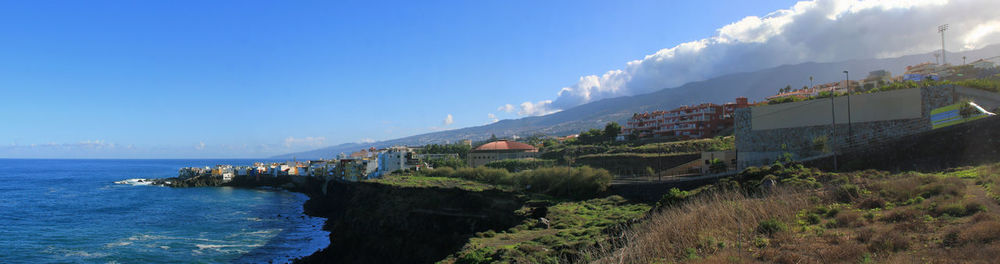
{"x":762,"y":146}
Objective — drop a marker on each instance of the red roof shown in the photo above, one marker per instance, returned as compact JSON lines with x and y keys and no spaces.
{"x":505,"y":145}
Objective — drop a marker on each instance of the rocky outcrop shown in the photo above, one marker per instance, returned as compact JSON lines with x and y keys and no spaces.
{"x":377,"y":223}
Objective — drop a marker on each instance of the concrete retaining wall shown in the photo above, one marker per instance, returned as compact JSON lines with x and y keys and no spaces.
{"x":764,"y":135}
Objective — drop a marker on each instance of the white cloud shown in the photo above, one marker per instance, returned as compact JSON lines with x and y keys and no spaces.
{"x":448,"y":120}
{"x":366,"y":140}
{"x":508,"y":108}
{"x":292,"y":142}
{"x":820,"y":31}
{"x":493,"y":118}
{"x":537,"y":108}
{"x":200,"y":146}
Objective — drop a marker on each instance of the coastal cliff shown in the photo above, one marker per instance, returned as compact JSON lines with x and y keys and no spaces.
{"x":379,"y":223}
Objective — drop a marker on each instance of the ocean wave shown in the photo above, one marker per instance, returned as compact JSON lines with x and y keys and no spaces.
{"x":117,"y":244}
{"x":73,"y":253}
{"x":135,"y":182}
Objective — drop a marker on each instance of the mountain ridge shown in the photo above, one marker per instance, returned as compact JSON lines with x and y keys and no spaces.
{"x":720,"y":89}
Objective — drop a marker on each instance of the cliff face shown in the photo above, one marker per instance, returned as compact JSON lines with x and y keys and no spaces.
{"x":377,"y":223}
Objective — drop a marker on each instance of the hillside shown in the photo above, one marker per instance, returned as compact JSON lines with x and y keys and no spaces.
{"x":754,"y":85}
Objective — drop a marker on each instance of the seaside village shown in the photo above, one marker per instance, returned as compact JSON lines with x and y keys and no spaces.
{"x":787,"y":118}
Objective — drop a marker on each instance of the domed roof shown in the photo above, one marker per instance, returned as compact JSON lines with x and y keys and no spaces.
{"x":505,"y":145}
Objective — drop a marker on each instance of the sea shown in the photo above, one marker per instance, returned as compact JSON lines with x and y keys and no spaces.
{"x":71,"y":211}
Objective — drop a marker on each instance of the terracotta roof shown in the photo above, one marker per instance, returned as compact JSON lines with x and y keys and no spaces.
{"x":505,"y":145}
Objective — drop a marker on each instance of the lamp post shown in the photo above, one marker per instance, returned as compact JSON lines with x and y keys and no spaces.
{"x":847,"y":82}
{"x":833,"y":125}
{"x":944,"y":57}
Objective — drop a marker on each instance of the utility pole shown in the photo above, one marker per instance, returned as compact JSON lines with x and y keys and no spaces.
{"x":937,"y":57}
{"x":963,"y":60}
{"x":944,"y":57}
{"x":847,"y":81}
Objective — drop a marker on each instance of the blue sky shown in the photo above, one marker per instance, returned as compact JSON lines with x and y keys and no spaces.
{"x":222,"y":79}
{"x":243,"y":77}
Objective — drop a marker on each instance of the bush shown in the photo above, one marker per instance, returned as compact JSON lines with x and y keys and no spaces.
{"x":846,"y":193}
{"x":959,"y":209}
{"x":890,"y":241}
{"x":674,"y":197}
{"x":982,"y":232}
{"x":770,"y":227}
{"x":902,"y":215}
{"x":849,"y":218}
{"x":449,"y":162}
{"x":516,"y":165}
{"x":813,"y":219}
{"x":480,"y":255}
{"x":566,"y":181}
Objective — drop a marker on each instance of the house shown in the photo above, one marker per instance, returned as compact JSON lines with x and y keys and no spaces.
{"x":982,"y":64}
{"x":396,"y":158}
{"x":925,"y":71}
{"x":876,"y":79}
{"x":356,"y":169}
{"x":686,"y":122}
{"x":500,"y":150}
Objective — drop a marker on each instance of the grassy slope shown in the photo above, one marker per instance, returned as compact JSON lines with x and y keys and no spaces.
{"x":574,"y":225}
{"x":857,"y":217}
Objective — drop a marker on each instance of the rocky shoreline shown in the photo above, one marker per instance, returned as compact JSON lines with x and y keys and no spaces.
{"x":372,"y":222}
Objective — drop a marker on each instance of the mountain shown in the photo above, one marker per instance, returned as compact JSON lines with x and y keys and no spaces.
{"x":754,"y":85}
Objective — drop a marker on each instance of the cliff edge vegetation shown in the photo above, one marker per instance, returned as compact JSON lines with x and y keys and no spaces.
{"x":793,"y":214}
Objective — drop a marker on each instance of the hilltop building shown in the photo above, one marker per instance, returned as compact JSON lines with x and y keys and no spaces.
{"x":397,"y":158}
{"x":982,"y":64}
{"x":807,"y":130}
{"x":500,"y":150}
{"x":686,"y":122}
{"x":877,"y":79}
{"x":924,"y":71}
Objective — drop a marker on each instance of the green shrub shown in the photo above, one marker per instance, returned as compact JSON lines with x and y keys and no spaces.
{"x":674,"y":197}
{"x":770,"y":227}
{"x":578,"y":182}
{"x":480,"y":255}
{"x":516,"y":165}
{"x":813,"y":219}
{"x":845,"y":193}
{"x":959,"y":209}
{"x":449,"y":162}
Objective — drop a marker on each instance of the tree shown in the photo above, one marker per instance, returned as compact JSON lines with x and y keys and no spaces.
{"x":493,"y":137}
{"x":591,"y":136}
{"x":452,"y":162}
{"x":611,"y":130}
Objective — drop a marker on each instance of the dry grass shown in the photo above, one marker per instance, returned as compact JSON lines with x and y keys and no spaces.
{"x":714,"y":224}
{"x":859,"y":217}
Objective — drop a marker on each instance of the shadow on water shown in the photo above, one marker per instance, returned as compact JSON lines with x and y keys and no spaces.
{"x":302,"y":236}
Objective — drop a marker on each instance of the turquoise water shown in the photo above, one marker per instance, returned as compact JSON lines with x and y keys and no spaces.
{"x":70,"y":211}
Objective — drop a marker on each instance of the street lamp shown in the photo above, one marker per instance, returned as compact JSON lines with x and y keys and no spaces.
{"x":833,"y":125}
{"x":944,"y":57}
{"x":847,"y":81}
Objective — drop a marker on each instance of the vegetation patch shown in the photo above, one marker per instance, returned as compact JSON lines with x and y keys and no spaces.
{"x":810,"y":216}
{"x":561,"y":235}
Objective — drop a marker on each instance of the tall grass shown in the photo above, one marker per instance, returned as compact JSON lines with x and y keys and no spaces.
{"x":704,"y":225}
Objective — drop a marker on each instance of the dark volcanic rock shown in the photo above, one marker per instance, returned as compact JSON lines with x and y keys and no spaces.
{"x":377,"y":223}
